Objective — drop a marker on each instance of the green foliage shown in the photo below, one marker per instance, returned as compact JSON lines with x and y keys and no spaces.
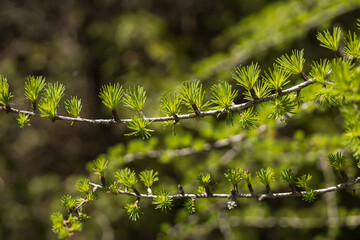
{"x":247,"y":76}
{"x":65,"y":228}
{"x":127,"y":177}
{"x":133,"y":211}
{"x":344,"y":89}
{"x":54,"y":91}
{"x":204,"y":179}
{"x":57,"y":219}
{"x":171,"y":104}
{"x":351,"y":139}
{"x":246,"y":175}
{"x":100,"y":164}
{"x":352,"y":46}
{"x":111,"y":95}
{"x":83,"y":185}
{"x":58,"y":225}
{"x":83,"y":217}
{"x":351,"y":135}
{"x":234,"y":176}
{"x":123,"y":174}
{"x":163,"y":200}
{"x":288,"y":175}
{"x":114,"y":187}
{"x":319,"y":70}
{"x":5,"y":94}
{"x":282,"y":108}
{"x":293,"y":64}
{"x":68,"y":202}
{"x":34,"y":87}
{"x":23,"y":120}
{"x":336,"y":161}
{"x":303,"y":181}
{"x":76,"y":226}
{"x":328,"y":40}
{"x":135,"y":98}
{"x":342,"y":75}
{"x":326,"y":98}
{"x":148,"y":177}
{"x":193,"y":95}
{"x":261,"y":90}
{"x":49,"y":103}
{"x":265,"y":176}
{"x":310,"y":195}
{"x":73,"y":106}
{"x":190,"y":206}
{"x":276,"y":78}
{"x":222,"y":95}
{"x":201,"y":190}
{"x":248,"y":119}
{"x":139,"y":125}
{"x":92,"y":196}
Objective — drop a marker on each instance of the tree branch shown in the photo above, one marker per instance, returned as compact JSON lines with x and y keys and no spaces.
{"x":244,"y":195}
{"x":95,"y":188}
{"x":215,"y":113}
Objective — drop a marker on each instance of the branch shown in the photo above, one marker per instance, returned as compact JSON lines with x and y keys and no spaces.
{"x":185,"y":151}
{"x":244,"y":195}
{"x":214,"y":113}
{"x":271,"y":222}
{"x":95,"y":188}
{"x":291,"y":222}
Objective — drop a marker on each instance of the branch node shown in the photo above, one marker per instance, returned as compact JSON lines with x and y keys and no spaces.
{"x":208,"y":191}
{"x":115,"y":115}
{"x":251,"y":190}
{"x":304,"y":76}
{"x":196,"y":109}
{"x":181,"y":189}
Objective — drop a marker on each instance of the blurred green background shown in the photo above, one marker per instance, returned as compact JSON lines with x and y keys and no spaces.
{"x":158,"y":44}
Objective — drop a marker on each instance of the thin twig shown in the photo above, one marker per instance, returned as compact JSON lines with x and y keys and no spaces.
{"x":235,"y":108}
{"x":185,"y":151}
{"x":96,"y":187}
{"x":244,"y":195}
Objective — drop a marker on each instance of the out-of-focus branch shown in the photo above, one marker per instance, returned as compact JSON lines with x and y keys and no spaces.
{"x":185,"y":151}
{"x":264,"y":222}
{"x":291,"y":222}
{"x":330,"y":200}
